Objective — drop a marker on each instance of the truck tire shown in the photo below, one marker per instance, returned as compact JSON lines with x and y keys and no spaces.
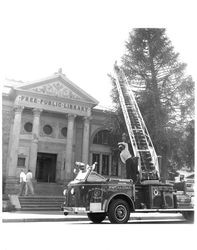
{"x":188,"y":215}
{"x":96,"y":217}
{"x":119,"y":211}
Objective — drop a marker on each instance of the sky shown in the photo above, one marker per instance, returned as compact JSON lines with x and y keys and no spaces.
{"x":85,"y":38}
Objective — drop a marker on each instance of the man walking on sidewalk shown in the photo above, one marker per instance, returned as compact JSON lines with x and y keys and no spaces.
{"x":22,"y":182}
{"x":29,"y":185}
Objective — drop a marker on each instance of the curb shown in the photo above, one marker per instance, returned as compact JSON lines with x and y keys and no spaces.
{"x":43,"y":219}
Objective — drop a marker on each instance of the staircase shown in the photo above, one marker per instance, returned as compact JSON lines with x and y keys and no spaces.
{"x":48,"y":189}
{"x":138,"y":133}
{"x":41,"y":203}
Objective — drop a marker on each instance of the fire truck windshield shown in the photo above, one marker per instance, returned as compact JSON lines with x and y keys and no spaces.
{"x":82,"y":174}
{"x":89,"y":175}
{"x":94,"y":177}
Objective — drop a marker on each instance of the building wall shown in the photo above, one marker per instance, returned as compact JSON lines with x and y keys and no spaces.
{"x":54,"y":143}
{"x":51,"y":143}
{"x":7,"y":120}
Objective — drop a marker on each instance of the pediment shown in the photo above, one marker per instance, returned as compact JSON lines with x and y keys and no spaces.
{"x":60,"y":87}
{"x":57,"y":89}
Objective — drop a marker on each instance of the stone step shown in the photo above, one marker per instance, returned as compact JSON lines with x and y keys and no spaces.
{"x":36,"y":197}
{"x":40,"y":209}
{"x":42,"y":205}
{"x":40,"y":188}
{"x":40,"y":200}
{"x":48,"y":189}
{"x":37,"y":203}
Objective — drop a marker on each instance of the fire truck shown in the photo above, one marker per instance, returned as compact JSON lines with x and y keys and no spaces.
{"x":100,"y":197}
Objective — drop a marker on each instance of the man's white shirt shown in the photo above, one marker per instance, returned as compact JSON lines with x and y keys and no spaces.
{"x":125,"y":154}
{"x":22,"y":177}
{"x":28,"y":176}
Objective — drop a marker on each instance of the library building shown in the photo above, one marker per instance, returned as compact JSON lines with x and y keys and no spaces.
{"x":48,"y":125}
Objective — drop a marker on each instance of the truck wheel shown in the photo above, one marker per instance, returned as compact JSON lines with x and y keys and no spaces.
{"x":96,"y":217}
{"x":119,"y":211}
{"x":65,"y":213}
{"x":188,"y":215}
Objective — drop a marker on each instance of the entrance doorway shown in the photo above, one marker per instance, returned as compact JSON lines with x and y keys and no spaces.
{"x":46,"y":167}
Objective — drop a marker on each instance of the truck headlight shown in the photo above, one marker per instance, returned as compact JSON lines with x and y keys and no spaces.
{"x":65,"y":191}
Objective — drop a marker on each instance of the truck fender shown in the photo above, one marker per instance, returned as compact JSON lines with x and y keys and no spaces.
{"x":122,"y":196}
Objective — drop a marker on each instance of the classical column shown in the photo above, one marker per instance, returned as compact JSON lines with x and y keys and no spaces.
{"x":86,"y":136}
{"x":34,"y":142}
{"x":14,"y":142}
{"x":100,"y":164}
{"x":69,"y":146}
{"x":110,"y":164}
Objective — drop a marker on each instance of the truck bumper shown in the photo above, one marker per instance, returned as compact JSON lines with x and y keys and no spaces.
{"x":94,"y":208}
{"x":74,"y":210}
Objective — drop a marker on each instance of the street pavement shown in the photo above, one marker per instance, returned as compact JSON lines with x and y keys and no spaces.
{"x":50,"y":216}
{"x":53,"y":230}
{"x":39,"y":216}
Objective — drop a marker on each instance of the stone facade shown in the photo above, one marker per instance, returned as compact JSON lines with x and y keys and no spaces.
{"x":47,"y":126}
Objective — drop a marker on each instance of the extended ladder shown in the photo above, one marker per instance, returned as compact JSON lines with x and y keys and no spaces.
{"x":143,"y":148}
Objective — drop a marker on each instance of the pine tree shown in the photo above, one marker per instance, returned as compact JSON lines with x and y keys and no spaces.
{"x":164,"y":94}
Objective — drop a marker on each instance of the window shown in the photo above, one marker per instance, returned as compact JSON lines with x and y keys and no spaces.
{"x":64,"y":131}
{"x":114,"y":167}
{"x":105,"y":164}
{"x":47,"y":129}
{"x":102,"y":137}
{"x":28,"y":127}
{"x":21,"y":162}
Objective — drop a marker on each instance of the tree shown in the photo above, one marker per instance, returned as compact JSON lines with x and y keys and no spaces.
{"x":188,"y":146}
{"x":164,"y":94}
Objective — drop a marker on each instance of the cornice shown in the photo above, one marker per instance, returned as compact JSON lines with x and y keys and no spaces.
{"x":64,"y":80}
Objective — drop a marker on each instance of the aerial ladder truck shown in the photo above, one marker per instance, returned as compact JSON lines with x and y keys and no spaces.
{"x":100,"y":197}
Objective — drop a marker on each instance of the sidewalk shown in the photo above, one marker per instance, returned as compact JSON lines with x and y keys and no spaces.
{"x":50,"y":216}
{"x":40,"y":216}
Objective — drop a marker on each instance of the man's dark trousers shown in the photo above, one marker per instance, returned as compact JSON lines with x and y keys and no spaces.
{"x":131,"y":169}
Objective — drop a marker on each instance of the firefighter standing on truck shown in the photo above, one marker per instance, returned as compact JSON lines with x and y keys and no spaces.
{"x":127,"y":157}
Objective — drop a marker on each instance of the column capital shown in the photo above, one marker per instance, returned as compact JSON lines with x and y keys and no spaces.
{"x":18,"y":109}
{"x":89,"y":111}
{"x":71,"y":116}
{"x":37,"y":111}
{"x":87,"y":118}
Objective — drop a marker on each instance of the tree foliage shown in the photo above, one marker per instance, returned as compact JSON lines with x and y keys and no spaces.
{"x":164,"y":93}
